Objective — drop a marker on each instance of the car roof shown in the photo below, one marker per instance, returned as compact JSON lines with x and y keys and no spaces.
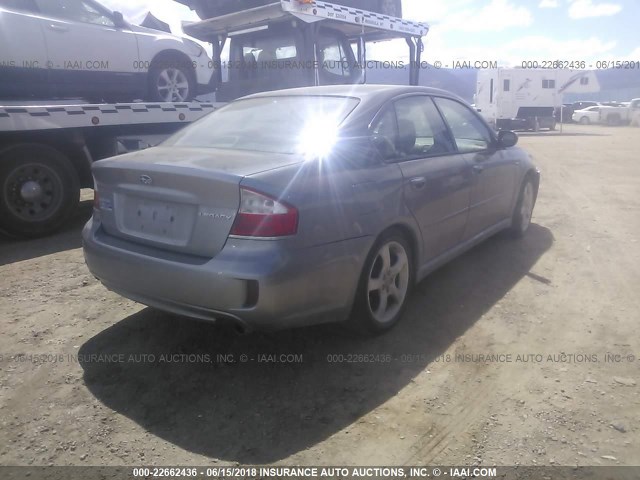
{"x":365,"y":93}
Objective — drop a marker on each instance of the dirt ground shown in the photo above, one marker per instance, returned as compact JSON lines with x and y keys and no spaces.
{"x":88,"y":378}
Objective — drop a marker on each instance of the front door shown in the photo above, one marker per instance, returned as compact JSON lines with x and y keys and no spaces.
{"x":494,"y":172}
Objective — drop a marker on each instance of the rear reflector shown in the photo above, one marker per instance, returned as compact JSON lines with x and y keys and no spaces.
{"x":264,"y":216}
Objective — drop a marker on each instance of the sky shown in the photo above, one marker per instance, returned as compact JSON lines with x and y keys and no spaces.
{"x":506,"y":31}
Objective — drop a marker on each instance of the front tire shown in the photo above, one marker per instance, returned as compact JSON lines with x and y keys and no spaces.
{"x":39,"y":190}
{"x":523,"y":213}
{"x":585,"y":121}
{"x":171,"y":80}
{"x":384,"y":286}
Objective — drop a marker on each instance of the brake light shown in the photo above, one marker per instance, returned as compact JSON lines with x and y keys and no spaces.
{"x":263,"y":216}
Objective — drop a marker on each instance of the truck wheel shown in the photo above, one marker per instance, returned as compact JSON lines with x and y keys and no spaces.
{"x":171,"y":79}
{"x":393,"y":8}
{"x":39,"y":190}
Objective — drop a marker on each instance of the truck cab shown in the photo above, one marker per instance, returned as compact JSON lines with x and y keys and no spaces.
{"x":284,"y":57}
{"x":299,"y":43}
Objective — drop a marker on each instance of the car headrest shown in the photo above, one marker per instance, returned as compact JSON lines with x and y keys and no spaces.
{"x":407,"y":135}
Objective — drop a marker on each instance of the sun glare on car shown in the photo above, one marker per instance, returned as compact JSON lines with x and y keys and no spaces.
{"x":319,"y":136}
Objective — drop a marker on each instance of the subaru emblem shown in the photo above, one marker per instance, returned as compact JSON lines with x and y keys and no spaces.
{"x":146,"y":179}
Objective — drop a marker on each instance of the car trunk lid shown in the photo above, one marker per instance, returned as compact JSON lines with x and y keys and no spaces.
{"x":182,"y":200}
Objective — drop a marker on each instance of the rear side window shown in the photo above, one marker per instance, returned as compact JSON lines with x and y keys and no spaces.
{"x":421,"y":129}
{"x":412,"y":129}
{"x":470,"y":133}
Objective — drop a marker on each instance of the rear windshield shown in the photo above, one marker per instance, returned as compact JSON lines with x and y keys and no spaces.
{"x":269,"y":124}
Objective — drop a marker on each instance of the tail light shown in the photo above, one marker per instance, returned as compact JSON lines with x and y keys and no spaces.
{"x":96,"y":199}
{"x":263,"y":216}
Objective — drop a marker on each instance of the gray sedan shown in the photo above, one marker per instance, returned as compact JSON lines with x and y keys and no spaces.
{"x":306,"y":206}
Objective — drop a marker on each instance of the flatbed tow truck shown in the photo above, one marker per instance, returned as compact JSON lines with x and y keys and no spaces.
{"x":46,"y":149}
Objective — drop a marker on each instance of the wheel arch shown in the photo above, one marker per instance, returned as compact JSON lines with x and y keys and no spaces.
{"x":171,"y":53}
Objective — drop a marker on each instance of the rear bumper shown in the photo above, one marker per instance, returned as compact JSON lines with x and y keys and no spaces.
{"x":255,"y":283}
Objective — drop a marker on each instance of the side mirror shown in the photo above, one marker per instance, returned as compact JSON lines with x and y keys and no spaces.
{"x":118,"y":20}
{"x":507,"y":139}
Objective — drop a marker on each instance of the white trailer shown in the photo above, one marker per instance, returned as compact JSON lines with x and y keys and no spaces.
{"x":517,"y":98}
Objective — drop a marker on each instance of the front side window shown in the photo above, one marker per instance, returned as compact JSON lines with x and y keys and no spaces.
{"x":470,"y":133}
{"x":83,"y":11}
{"x":286,"y":125}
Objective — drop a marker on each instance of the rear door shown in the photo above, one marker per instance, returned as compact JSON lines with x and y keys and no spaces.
{"x":23,"y":51}
{"x":494,"y":171}
{"x":437,"y":179}
{"x":87,"y":52}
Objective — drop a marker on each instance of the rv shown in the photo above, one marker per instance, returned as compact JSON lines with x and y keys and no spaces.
{"x":523,"y":99}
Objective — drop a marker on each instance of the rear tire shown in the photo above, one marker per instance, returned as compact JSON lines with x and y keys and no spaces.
{"x":39,"y":190}
{"x":523,"y":213}
{"x":385,"y":285}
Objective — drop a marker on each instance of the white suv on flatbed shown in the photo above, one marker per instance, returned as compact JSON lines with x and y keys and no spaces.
{"x":78,"y":48}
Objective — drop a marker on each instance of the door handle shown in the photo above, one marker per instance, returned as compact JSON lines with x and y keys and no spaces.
{"x":58,"y":28}
{"x":418,"y":183}
{"x":478,"y":169}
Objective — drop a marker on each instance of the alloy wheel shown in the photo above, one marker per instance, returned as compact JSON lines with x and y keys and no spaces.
{"x":388,"y":282}
{"x":173,"y":85}
{"x":526,"y":209}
